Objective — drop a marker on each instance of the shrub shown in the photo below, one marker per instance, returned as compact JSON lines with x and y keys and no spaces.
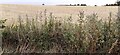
{"x":89,"y":34}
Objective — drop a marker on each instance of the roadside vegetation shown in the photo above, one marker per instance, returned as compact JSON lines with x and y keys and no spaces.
{"x":50,"y":34}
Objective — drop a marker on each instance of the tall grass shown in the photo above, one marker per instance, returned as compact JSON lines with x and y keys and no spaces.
{"x":49,"y":34}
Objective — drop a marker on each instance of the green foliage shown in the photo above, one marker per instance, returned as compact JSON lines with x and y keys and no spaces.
{"x":88,"y":35}
{"x":2,"y":23}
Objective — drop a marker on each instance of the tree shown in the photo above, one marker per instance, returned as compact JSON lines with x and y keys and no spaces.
{"x":43,"y":4}
{"x":78,"y":4}
{"x":95,"y":5}
{"x":83,"y":5}
{"x":106,"y":5}
{"x":118,"y":2}
{"x":74,"y":4}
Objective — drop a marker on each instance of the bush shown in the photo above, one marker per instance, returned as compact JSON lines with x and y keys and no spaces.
{"x":89,"y":34}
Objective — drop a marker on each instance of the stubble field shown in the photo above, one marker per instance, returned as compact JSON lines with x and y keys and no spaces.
{"x":13,"y":11}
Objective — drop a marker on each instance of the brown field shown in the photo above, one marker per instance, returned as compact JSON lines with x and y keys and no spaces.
{"x":12,"y":11}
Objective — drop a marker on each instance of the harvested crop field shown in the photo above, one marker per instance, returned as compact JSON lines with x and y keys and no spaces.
{"x":12,"y":11}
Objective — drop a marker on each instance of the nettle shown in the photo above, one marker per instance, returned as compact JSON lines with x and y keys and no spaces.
{"x":2,"y":23}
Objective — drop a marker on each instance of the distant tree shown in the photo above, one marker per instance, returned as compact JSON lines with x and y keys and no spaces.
{"x":107,"y":5}
{"x":74,"y":4}
{"x":43,"y":4}
{"x":78,"y":4}
{"x":118,"y":3}
{"x":111,"y":4}
{"x":83,"y":5}
{"x":95,"y":5}
{"x":70,"y":4}
{"x":115,"y":4}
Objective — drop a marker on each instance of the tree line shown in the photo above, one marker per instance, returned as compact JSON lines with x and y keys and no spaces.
{"x":115,"y":4}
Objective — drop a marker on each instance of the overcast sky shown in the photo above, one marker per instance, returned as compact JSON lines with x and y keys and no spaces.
{"x":54,"y":2}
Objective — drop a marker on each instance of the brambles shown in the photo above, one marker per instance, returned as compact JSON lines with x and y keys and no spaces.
{"x":52,"y":35}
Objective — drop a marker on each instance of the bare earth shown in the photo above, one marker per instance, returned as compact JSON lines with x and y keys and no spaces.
{"x":12,"y":11}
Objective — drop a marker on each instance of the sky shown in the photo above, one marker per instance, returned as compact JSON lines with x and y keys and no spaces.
{"x":57,"y":2}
